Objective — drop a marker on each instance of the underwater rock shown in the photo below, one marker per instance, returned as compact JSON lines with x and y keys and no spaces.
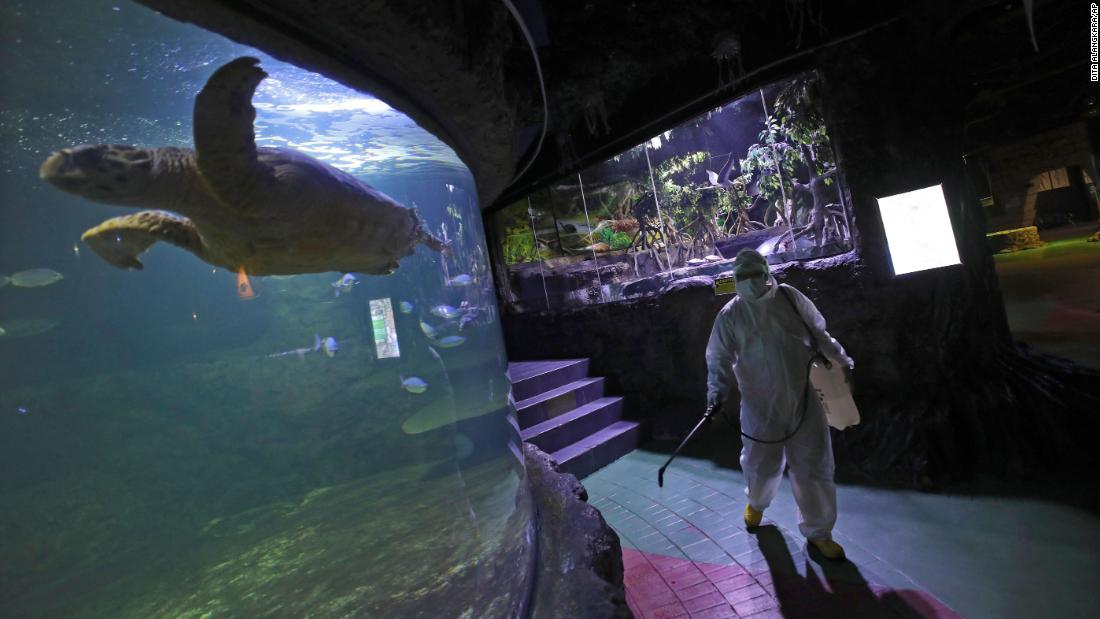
{"x":580,"y":571}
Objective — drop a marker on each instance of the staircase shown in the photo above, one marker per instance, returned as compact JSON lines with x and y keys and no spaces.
{"x":565,"y":413}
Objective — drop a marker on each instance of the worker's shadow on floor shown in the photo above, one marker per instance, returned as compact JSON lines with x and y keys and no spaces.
{"x":801,"y":593}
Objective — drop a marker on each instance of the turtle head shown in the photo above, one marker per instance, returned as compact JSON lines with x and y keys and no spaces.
{"x":112,"y":173}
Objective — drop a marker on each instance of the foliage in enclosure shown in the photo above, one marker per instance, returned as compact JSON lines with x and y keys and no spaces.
{"x":692,"y":207}
{"x":519,"y":246}
{"x":794,"y":135}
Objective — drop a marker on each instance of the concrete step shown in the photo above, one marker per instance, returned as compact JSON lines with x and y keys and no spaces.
{"x":594,"y":452}
{"x":530,"y":378}
{"x":557,"y":432}
{"x":558,"y":401}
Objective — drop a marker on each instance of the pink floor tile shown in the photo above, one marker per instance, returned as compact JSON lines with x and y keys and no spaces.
{"x":663,"y":587}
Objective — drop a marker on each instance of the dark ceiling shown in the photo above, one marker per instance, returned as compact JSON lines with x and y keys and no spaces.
{"x":618,"y":72}
{"x":651,"y":64}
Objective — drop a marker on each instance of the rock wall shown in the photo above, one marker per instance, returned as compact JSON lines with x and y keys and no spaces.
{"x":580,"y":568}
{"x":944,"y":391}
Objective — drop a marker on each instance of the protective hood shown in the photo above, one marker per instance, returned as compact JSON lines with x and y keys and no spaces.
{"x":771,"y":287}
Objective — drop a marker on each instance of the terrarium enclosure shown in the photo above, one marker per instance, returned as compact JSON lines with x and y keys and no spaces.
{"x":757,"y":172}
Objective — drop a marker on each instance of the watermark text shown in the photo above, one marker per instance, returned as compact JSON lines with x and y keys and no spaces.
{"x":1093,"y":60}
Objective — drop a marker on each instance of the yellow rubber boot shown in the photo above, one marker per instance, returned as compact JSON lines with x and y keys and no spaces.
{"x":752,"y":516}
{"x":829,"y":548}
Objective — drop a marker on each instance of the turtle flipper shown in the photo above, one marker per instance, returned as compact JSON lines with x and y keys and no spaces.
{"x":120,"y":240}
{"x":225,"y":141}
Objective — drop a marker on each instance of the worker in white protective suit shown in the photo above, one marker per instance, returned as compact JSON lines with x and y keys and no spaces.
{"x":762,"y":338}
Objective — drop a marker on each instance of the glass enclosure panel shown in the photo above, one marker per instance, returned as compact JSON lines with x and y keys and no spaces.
{"x":758,"y":172}
{"x":628,"y":235}
{"x":524,"y":249}
{"x":193,"y":440}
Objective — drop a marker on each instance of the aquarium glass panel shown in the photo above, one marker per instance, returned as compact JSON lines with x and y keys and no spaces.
{"x":186,"y":432}
{"x":757,"y":172}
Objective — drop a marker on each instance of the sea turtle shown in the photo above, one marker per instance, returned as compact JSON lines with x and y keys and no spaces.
{"x":268,"y":211}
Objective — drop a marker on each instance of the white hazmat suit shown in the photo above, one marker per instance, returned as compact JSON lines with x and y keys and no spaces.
{"x":764,"y":343}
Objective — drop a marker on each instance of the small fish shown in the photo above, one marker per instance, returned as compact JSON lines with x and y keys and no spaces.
{"x":696,"y":262}
{"x":413,"y":384}
{"x":344,"y":284}
{"x":450,"y":341}
{"x":712,"y":258}
{"x":445,"y":311}
{"x":300,"y":352}
{"x":468,"y":318}
{"x":328,"y":345}
{"x":405,"y":307}
{"x":427,"y":329}
{"x":460,"y":280}
{"x":35,"y":278}
{"x":21,"y":410}
{"x":2,"y":331}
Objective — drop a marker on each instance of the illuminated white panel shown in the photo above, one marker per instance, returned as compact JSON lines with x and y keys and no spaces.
{"x":918,"y":230}
{"x":385,"y":332}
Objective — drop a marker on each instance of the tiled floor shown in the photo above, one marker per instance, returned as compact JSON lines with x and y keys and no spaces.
{"x":687,"y":553}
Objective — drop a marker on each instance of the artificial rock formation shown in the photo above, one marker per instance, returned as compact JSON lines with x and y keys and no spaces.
{"x":580,"y":567}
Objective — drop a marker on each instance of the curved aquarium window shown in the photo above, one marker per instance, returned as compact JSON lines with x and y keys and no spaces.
{"x":757,"y":172}
{"x":258,"y":421}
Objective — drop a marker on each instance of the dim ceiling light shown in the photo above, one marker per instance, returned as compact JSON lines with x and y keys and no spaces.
{"x":918,"y":230}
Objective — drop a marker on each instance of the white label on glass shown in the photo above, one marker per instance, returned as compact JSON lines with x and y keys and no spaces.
{"x":385,"y":332}
{"x":918,"y":230}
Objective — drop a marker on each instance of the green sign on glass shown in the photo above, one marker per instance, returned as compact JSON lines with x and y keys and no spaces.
{"x":385,"y":332}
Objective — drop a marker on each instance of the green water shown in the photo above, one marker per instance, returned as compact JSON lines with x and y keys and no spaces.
{"x":155,"y":459}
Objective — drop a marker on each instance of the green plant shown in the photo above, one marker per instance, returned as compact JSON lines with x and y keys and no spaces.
{"x":519,"y":246}
{"x":620,"y":240}
{"x":794,"y":140}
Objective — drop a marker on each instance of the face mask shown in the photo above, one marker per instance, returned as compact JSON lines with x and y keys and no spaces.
{"x":751,"y":287}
